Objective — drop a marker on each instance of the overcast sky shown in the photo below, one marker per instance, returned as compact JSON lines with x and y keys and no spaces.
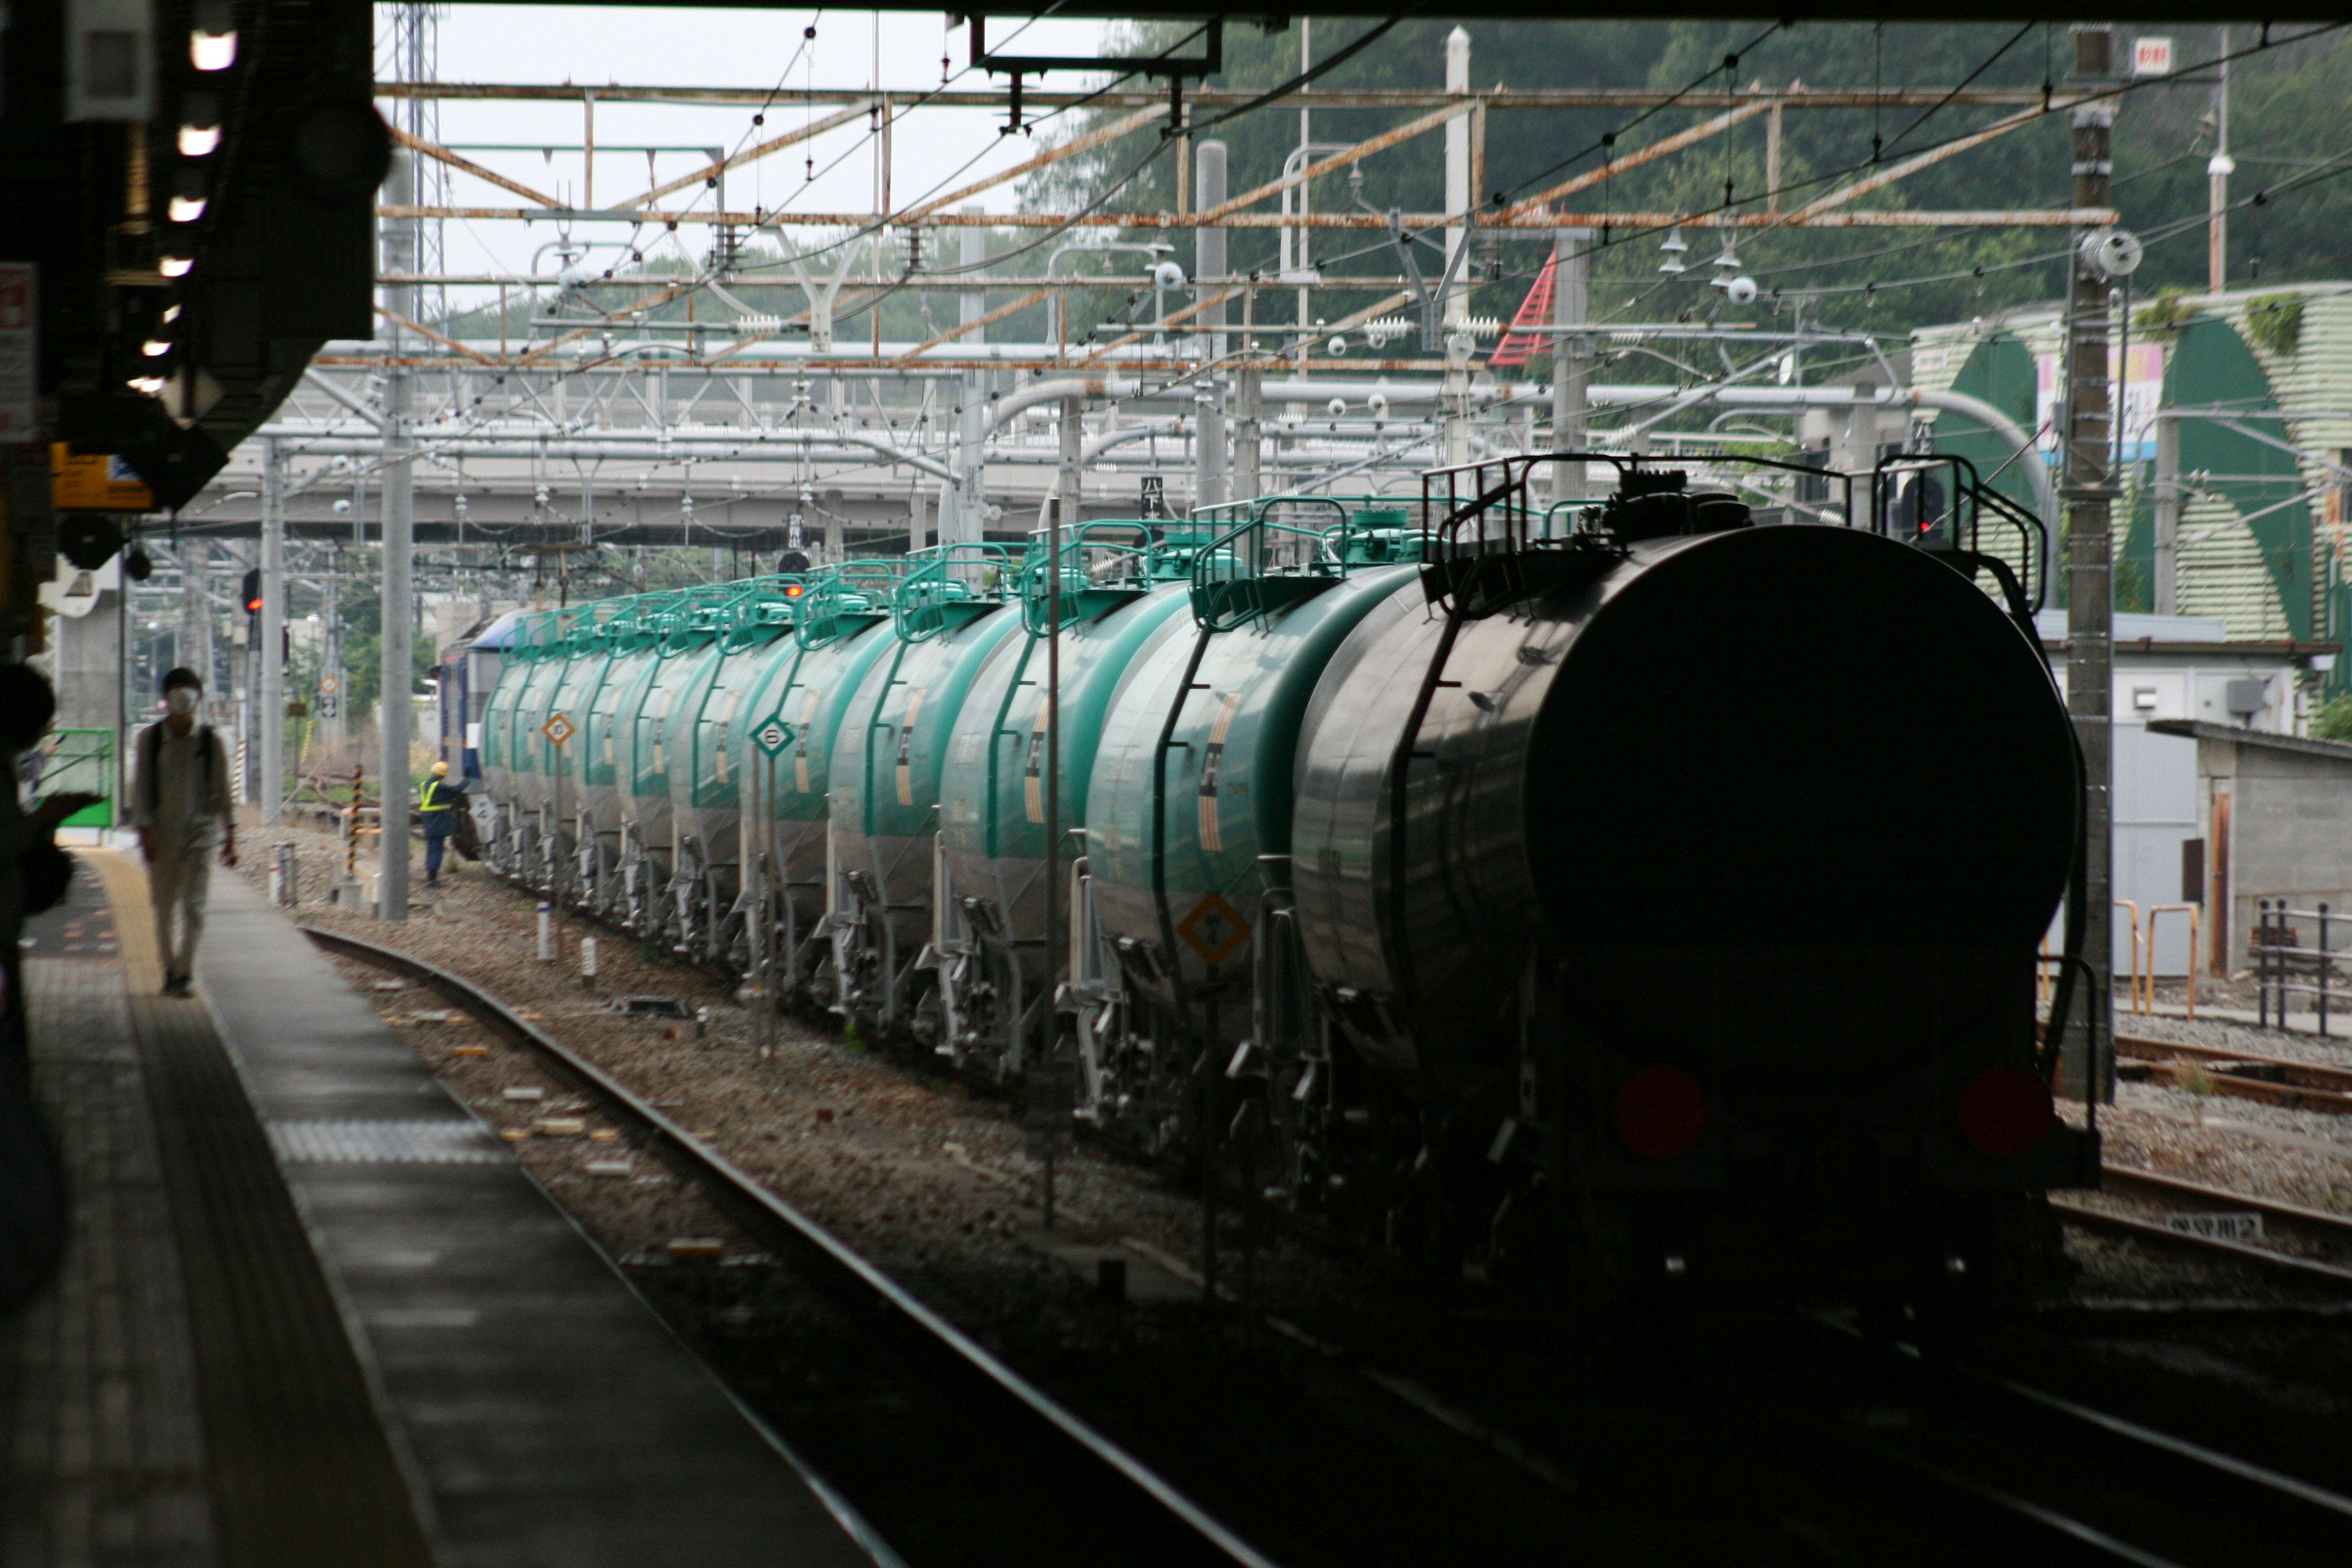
{"x":638,"y":45}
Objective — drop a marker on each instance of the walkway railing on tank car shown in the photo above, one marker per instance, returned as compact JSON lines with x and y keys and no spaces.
{"x":768,"y":608}
{"x":699,"y":615}
{"x":839,"y":599}
{"x":1234,"y":573}
{"x":1905,"y":505}
{"x":946,"y":580}
{"x":1110,"y":555}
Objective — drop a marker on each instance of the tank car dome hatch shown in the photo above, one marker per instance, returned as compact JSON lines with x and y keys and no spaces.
{"x":1657,"y":504}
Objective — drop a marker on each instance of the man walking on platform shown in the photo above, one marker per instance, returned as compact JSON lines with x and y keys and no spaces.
{"x":437,"y":807}
{"x":181,"y":807}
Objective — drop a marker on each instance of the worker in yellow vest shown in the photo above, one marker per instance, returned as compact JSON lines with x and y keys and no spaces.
{"x":437,"y":807}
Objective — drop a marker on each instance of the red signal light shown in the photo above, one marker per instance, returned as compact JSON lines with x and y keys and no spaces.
{"x":2005,"y":1113}
{"x":1661,"y":1111}
{"x":793,"y":590}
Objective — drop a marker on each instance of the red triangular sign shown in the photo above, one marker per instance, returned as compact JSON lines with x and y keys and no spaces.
{"x":1535,"y":310}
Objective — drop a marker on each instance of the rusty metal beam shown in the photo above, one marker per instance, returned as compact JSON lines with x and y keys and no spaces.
{"x":975,"y":324}
{"x":1894,"y":172}
{"x":2011,"y":218}
{"x":798,"y":366}
{"x":1077,"y":144}
{"x":1186,"y":314}
{"x":647,"y":302}
{"x":439,"y":153}
{"x":1209,"y":98}
{"x":397,"y":319}
{"x":1651,"y":154}
{"x":1361,"y":150}
{"x":753,"y":154}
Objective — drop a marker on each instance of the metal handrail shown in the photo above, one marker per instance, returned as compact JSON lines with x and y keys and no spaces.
{"x":2272,"y":956}
{"x":941,"y":579}
{"x":850,"y":591}
{"x":1132,"y":557}
{"x":2193,"y":913}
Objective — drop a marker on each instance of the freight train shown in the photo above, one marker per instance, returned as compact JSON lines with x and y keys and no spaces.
{"x":1633,"y":898}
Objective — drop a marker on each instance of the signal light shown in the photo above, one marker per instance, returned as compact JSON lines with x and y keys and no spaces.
{"x":2005,"y":1113}
{"x":793,"y":590}
{"x":1661,"y":1111}
{"x":175,"y":266}
{"x":253,"y":593}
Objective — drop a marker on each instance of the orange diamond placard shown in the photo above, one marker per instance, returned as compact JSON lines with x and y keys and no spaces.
{"x":558,"y":729}
{"x":1214,"y":928}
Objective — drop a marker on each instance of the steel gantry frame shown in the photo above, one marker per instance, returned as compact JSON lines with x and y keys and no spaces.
{"x":778,"y":407}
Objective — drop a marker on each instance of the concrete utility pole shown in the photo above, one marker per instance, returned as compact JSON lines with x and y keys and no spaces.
{"x":399,"y":561}
{"x":963,"y":516}
{"x":1572,"y":355}
{"x":1460,"y":202}
{"x":1208,"y":267}
{"x":2090,"y":495}
{"x":1070,"y":487}
{"x":2168,"y":498}
{"x":270,"y":699}
{"x":1249,"y":434}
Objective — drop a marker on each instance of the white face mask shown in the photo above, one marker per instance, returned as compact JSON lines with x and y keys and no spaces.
{"x":183,"y":699}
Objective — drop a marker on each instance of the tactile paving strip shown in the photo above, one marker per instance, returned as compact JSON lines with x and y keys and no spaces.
{"x":440,"y":1140}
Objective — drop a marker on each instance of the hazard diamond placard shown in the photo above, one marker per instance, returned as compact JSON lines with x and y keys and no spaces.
{"x":1214,"y":928}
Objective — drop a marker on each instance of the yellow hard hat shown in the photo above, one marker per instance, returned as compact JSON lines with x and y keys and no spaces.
{"x":440,"y":770}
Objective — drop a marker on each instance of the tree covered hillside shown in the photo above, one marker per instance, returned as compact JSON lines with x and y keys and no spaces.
{"x":2291,"y":133}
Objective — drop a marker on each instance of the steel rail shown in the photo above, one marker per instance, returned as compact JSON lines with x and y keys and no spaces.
{"x":2304,"y":1269}
{"x":2302,"y":1086}
{"x":2011,"y":1406}
{"x":1193,"y":1535}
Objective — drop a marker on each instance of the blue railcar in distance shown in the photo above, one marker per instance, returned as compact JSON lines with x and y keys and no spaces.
{"x":468,"y":669}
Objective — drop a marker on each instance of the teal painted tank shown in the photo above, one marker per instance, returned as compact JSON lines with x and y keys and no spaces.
{"x":840,"y":629}
{"x":501,"y":776}
{"x":529,"y":780}
{"x":949,"y":613}
{"x":606,"y":717}
{"x":1119,"y":587}
{"x":587,"y":659}
{"x":735,"y":692}
{"x":1190,"y":807}
{"x":687,"y":635}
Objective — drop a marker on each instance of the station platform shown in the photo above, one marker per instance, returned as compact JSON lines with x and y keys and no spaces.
{"x":314,"y":1313}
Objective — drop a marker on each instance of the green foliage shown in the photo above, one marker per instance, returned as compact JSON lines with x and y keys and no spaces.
{"x":2133,"y":594}
{"x":2335,"y":720}
{"x":2275,"y":324}
{"x":2164,"y":317}
{"x":2286,"y":100}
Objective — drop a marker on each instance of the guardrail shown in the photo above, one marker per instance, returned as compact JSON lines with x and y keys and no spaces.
{"x":2280,"y":957}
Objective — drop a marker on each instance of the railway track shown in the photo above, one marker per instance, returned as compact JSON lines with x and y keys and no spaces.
{"x":1092,"y":1501}
{"x":2310,"y":1228}
{"x":1154,"y":1523}
{"x":2242,"y":1074}
{"x":2097,"y":1486}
